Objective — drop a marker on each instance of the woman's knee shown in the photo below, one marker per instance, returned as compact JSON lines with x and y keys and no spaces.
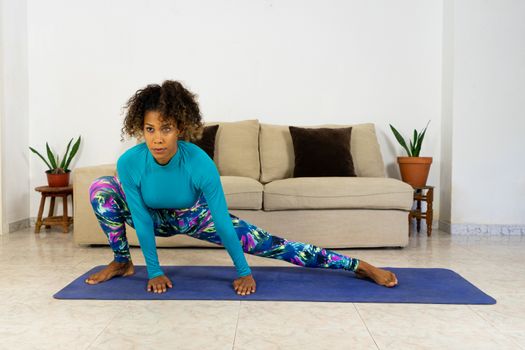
{"x":102,"y":189}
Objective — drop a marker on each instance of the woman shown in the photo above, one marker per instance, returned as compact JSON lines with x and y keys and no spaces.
{"x":168,"y":185}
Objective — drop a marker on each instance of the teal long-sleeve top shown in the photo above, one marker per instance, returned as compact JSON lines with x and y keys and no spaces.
{"x":178,"y":184}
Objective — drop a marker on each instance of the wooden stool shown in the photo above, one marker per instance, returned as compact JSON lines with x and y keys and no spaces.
{"x":425,"y":193}
{"x":54,"y":192}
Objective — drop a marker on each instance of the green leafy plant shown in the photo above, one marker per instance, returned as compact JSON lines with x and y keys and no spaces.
{"x":54,"y":164}
{"x":415,"y":144}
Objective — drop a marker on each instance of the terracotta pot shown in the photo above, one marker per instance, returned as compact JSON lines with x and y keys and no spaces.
{"x":57,"y":180}
{"x":414,"y":170}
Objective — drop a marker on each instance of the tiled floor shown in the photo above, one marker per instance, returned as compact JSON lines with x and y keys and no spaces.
{"x":34,"y":267}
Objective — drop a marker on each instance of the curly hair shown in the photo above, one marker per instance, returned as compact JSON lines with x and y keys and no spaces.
{"x":174,"y":103}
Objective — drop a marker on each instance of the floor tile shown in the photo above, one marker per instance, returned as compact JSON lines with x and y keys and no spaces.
{"x":507,"y":315}
{"x":291,"y":337}
{"x":34,"y":267}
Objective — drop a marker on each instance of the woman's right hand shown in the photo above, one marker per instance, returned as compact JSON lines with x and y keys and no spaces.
{"x":158,"y":284}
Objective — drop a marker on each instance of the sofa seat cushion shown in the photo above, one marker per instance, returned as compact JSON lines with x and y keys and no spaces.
{"x":242,"y":192}
{"x":338,"y":193}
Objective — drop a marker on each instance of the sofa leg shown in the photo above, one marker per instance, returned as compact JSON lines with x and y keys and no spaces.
{"x":409,"y":222}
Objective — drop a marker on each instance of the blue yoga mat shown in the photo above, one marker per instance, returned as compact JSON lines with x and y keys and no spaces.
{"x":416,"y":285}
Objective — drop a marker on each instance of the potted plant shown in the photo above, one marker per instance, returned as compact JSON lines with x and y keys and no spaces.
{"x":58,"y":173}
{"x":414,"y":169}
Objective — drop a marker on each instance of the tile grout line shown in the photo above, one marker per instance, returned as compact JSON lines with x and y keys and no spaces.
{"x":483,"y":318}
{"x":102,"y":331}
{"x":495,"y":328}
{"x":515,"y":342}
{"x":236,"y":325}
{"x":366,"y":326}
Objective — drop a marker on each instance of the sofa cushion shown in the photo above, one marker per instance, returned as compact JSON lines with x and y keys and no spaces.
{"x":322,"y":152}
{"x":237,"y":148}
{"x":242,"y":192}
{"x":337,"y":193}
{"x":277,"y":156}
{"x":207,"y":142}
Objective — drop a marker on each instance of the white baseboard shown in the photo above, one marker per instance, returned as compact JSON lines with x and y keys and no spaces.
{"x":22,"y":224}
{"x":444,"y":226}
{"x":481,"y":229}
{"x":19,"y":225}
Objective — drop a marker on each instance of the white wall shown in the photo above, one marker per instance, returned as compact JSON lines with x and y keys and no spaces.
{"x":488,"y":108}
{"x":447,"y":114}
{"x":15,"y":113}
{"x":459,"y":63}
{"x":287,"y":62}
{"x":3,"y":226}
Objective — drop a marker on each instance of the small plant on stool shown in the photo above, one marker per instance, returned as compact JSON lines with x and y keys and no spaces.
{"x":414,"y":169}
{"x":58,"y":173}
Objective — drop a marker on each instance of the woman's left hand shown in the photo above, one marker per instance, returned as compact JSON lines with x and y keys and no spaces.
{"x":244,"y":285}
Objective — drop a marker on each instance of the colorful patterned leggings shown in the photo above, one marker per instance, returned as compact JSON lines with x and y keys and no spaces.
{"x":109,"y":204}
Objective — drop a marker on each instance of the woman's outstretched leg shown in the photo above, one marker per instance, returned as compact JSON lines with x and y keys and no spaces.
{"x":109,"y":205}
{"x":257,"y":241}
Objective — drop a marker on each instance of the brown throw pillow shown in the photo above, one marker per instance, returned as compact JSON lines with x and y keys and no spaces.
{"x":207,"y":142}
{"x":322,"y":152}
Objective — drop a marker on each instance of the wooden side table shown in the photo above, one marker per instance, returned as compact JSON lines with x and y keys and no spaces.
{"x":51,"y":220}
{"x":426,"y":194}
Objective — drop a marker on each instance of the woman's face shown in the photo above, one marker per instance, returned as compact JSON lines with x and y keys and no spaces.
{"x":160,"y":136}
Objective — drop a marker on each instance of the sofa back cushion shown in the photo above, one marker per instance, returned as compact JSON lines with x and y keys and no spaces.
{"x":237,"y":148}
{"x":277,"y":153}
{"x":207,"y":141}
{"x":311,"y":147}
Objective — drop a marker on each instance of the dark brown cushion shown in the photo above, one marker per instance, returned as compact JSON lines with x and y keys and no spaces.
{"x":322,"y":152}
{"x":207,"y":142}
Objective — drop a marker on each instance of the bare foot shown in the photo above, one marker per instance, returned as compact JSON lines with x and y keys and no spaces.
{"x":113,"y":269}
{"x":382,"y":277}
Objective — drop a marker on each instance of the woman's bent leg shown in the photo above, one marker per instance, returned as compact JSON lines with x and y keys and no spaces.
{"x":110,"y":207}
{"x":257,"y":241}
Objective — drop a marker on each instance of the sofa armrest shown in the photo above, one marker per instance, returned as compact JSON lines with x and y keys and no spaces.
{"x":83,"y":177}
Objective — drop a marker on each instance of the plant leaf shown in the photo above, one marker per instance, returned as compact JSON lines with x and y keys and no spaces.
{"x":51,"y":157}
{"x":65,"y":155}
{"x":418,"y":149}
{"x":400,"y":139}
{"x":418,"y":145}
{"x":38,"y":154}
{"x":73,"y":152}
{"x":413,"y":149}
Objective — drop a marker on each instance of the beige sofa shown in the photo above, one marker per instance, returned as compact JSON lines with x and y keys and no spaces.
{"x":256,"y":163}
